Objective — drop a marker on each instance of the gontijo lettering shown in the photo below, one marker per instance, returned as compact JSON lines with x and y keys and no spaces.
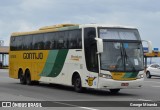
{"x":33,"y":55}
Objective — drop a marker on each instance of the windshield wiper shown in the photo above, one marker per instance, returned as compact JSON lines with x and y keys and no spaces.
{"x":123,"y":61}
{"x":128,"y":60}
{"x":125,"y":56}
{"x":125,"y":53}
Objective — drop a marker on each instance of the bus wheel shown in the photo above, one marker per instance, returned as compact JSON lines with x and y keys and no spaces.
{"x":114,"y":91}
{"x":28,"y":78}
{"x":22,"y":77}
{"x":77,"y":84}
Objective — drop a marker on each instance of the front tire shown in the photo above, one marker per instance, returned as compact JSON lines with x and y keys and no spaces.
{"x":148,"y":75}
{"x":77,"y":84}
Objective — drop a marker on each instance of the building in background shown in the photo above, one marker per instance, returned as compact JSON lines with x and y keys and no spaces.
{"x":4,"y":51}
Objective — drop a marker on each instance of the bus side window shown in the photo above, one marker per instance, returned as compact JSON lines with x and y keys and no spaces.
{"x":66,"y":39}
{"x":38,"y":42}
{"x":47,"y":45}
{"x":75,"y":39}
{"x":27,"y":42}
{"x":13,"y":43}
{"x":70,"y":39}
{"x":50,"y":41}
{"x":62,"y":40}
{"x":19,"y":42}
{"x":79,"y":39}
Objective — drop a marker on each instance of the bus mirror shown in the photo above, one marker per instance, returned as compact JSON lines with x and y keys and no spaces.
{"x":99,"y":45}
{"x":149,"y":43}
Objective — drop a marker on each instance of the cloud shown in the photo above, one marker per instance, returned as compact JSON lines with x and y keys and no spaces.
{"x":26,"y":15}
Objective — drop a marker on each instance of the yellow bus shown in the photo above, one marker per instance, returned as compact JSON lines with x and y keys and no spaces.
{"x":84,"y":56}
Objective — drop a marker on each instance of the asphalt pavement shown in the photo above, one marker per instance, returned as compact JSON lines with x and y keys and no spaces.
{"x":64,"y":97}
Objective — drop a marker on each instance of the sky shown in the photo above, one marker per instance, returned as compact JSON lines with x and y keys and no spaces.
{"x":27,"y":15}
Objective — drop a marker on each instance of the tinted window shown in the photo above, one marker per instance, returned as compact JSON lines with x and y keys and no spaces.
{"x":156,"y":66}
{"x":78,"y":39}
{"x":153,"y":66}
{"x":74,"y":39}
{"x":50,"y":41}
{"x":12,"y":43}
{"x":71,"y":40}
{"x":27,"y":42}
{"x":54,"y":40}
{"x":16,"y":43}
{"x":38,"y":42}
{"x":62,"y":40}
{"x":19,"y":43}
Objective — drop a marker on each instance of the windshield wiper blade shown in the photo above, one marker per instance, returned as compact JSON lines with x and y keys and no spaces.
{"x":126,"y":59}
{"x":125,"y":53}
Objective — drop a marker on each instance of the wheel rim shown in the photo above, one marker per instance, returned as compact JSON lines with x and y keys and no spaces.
{"x":77,"y":83}
{"x":22,"y":78}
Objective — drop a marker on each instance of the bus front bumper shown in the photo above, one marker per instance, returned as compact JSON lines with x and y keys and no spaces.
{"x":116,"y":84}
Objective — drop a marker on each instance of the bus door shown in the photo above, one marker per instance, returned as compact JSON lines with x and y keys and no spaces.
{"x":91,"y":56}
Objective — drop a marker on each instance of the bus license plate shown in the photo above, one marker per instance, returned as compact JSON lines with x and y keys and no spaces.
{"x":124,"y":84}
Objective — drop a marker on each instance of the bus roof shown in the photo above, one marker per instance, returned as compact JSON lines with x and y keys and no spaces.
{"x":61,"y":27}
{"x":45,"y":29}
{"x":108,"y":26}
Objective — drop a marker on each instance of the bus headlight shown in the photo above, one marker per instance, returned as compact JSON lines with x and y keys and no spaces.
{"x":105,"y":76}
{"x":139,"y":76}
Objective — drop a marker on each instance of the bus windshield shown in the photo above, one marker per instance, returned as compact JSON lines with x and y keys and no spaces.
{"x":122,"y":56}
{"x":122,"y":50}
